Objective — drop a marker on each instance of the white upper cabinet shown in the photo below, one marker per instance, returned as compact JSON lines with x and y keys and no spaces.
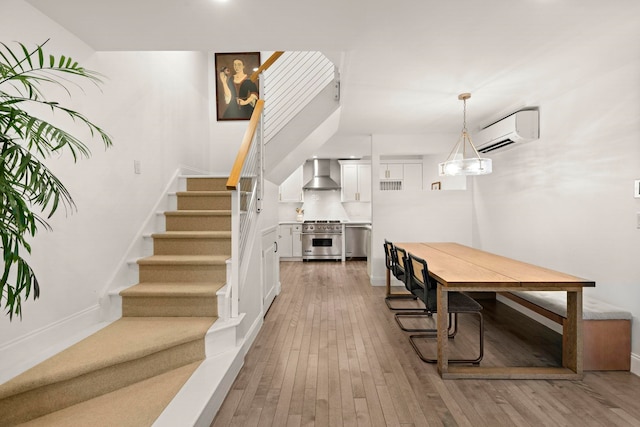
{"x":356,"y":181}
{"x":291,"y":188}
{"x":400,"y":175}
{"x":391,"y":170}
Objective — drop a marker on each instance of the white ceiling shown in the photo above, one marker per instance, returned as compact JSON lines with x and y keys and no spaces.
{"x":404,"y":62}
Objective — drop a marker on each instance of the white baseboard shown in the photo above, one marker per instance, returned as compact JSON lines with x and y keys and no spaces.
{"x":121,"y":276}
{"x":252,"y":333}
{"x":222,"y":336}
{"x":199,"y":400}
{"x":27,"y":351}
{"x":635,"y":364}
{"x":382,"y":281}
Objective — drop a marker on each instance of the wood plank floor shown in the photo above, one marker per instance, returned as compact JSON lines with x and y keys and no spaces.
{"x":331,"y":354}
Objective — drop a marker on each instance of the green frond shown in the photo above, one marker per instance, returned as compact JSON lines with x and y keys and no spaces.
{"x":25,"y":182}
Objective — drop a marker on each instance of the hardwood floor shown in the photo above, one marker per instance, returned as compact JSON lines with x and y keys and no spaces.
{"x":331,"y":354}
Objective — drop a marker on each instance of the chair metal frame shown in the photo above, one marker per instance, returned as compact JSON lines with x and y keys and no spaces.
{"x":459,"y":303}
{"x":391,"y":262}
{"x":402,"y":262}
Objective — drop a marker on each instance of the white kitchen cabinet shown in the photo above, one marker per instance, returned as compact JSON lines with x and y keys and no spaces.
{"x":296,"y":241}
{"x":356,"y":181}
{"x":412,"y":176}
{"x":401,"y":175}
{"x":391,"y":170}
{"x":290,"y":240}
{"x":285,"y":248}
{"x":291,"y":188}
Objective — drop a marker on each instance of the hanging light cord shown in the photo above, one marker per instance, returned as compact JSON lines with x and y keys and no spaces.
{"x":465,"y":133}
{"x":461,"y":165}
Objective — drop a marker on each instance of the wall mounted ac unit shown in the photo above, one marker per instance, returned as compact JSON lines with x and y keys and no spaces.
{"x":521,"y":126}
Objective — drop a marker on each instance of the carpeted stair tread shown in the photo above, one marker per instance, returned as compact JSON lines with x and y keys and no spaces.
{"x":193,"y":235}
{"x":184,"y":260}
{"x":126,"y":339}
{"x":199,"y":193}
{"x":137,"y":405}
{"x":178,"y":289}
{"x":126,"y":373}
{"x":207,"y":183}
{"x":197,"y":212}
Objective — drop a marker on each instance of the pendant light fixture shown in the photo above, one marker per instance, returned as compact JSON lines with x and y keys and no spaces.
{"x":463,"y":160}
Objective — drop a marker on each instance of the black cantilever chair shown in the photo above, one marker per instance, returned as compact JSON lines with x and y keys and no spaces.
{"x":459,"y":303}
{"x":417,"y":291}
{"x":391,"y":262}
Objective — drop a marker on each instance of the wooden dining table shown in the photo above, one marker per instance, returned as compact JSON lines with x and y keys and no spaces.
{"x":460,"y":268}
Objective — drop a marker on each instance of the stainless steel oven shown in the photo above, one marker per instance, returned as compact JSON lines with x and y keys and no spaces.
{"x":322,"y":240}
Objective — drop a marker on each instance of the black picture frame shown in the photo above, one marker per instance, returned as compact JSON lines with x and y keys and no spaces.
{"x":238,"y":102}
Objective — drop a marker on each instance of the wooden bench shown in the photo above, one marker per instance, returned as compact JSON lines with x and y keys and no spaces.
{"x":606,"y":328}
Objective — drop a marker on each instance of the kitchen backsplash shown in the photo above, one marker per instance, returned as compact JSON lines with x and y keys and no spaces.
{"x":325,"y":205}
{"x":358,"y":211}
{"x":319,"y":205}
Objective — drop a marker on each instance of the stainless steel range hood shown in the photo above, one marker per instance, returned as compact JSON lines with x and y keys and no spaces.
{"x":321,"y":179}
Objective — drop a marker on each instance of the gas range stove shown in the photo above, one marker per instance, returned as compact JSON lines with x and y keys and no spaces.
{"x":322,"y":227}
{"x":321,"y":240}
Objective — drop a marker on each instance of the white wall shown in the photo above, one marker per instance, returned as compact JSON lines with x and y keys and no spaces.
{"x":155,"y":106}
{"x":413,"y":216}
{"x":566,"y":200}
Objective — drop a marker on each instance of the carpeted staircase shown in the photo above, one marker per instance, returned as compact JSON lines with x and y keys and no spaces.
{"x":126,"y":373}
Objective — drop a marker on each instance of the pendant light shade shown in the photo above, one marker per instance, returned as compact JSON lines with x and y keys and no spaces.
{"x":464,"y":158}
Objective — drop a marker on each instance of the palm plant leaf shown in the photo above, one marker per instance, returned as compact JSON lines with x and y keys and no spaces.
{"x":25,"y":182}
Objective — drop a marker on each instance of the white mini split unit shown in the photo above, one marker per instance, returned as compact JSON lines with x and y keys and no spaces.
{"x":512,"y":131}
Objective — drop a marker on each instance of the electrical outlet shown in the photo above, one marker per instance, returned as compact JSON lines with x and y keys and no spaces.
{"x":136,"y":166}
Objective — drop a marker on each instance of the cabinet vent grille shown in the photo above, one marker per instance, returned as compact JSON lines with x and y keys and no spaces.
{"x":391,"y":185}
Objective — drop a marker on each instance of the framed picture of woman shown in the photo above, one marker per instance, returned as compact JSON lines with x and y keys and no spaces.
{"x":236,"y":93}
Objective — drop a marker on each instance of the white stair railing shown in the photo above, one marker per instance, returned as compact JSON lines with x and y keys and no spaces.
{"x":286,"y":87}
{"x":290,"y":84}
{"x":245,"y":183}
